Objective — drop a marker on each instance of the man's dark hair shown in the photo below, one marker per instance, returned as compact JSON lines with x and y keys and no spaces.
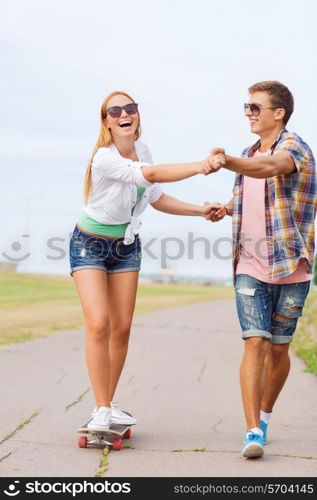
{"x":281,"y":96}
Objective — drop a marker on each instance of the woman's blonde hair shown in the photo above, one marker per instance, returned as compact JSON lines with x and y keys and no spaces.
{"x":104,"y":139}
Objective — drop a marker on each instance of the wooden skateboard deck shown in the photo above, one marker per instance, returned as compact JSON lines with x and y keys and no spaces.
{"x":111,"y":437}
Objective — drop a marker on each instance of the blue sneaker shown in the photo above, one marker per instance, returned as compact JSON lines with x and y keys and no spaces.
{"x":263,"y":426}
{"x":252,"y":445}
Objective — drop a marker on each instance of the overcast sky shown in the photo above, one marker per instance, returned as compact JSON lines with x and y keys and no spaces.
{"x":187,"y":63}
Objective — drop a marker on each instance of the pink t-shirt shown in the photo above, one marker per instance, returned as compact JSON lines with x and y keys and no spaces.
{"x":254,"y":253}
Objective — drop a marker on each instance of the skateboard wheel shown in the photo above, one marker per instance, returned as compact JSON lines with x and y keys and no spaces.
{"x":82,"y":442}
{"x":127,"y":434}
{"x":117,"y":444}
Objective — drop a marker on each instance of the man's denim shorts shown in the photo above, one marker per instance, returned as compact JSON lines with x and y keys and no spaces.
{"x":109,"y":255}
{"x":258,"y":302}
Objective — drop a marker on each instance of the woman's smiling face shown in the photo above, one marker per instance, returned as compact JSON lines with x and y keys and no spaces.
{"x":125,"y":125}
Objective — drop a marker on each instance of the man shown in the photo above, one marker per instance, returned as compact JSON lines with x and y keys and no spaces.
{"x":273,"y":209}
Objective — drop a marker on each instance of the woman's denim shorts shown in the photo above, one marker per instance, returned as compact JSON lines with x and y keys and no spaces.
{"x":258,"y":303}
{"x":109,"y":255}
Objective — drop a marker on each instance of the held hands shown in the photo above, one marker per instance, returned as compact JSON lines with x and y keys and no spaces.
{"x":214,"y":161}
{"x":214,"y":211}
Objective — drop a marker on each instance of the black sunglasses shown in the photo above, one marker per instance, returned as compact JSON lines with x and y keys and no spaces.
{"x":255,"y":109}
{"x":116,"y":111}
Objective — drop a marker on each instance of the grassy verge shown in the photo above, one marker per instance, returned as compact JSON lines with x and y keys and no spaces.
{"x":33,"y":305}
{"x":305,"y":339}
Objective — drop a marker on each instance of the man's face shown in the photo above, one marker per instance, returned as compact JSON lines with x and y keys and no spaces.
{"x":268,"y":118}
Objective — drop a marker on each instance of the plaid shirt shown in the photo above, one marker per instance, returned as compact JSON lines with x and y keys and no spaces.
{"x":290,"y":208}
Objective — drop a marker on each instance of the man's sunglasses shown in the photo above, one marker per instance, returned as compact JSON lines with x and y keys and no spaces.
{"x":116,"y":111}
{"x":255,"y":109}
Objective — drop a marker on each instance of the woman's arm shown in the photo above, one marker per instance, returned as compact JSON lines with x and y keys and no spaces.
{"x":111,"y":166}
{"x":170,"y":205}
{"x":179,"y":171}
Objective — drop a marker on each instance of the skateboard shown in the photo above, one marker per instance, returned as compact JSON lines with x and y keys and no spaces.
{"x":112,"y":437}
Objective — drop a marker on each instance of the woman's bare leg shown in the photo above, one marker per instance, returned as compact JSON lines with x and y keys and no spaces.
{"x":122,"y":288}
{"x":92,"y":286}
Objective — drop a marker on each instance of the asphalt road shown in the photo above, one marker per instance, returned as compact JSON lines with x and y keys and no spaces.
{"x":181,"y":381}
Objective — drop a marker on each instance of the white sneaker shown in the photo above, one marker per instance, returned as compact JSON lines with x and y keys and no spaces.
{"x":101,"y":419}
{"x":121,"y":417}
{"x":118,"y":416}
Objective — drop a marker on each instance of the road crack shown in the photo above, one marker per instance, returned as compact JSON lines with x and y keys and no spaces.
{"x":78,"y":400}
{"x":5,"y":456}
{"x":203,"y":368}
{"x":19,"y":428}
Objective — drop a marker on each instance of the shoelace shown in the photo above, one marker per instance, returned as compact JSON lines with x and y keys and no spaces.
{"x":121,"y":412}
{"x":253,"y":437}
{"x":114,"y":406}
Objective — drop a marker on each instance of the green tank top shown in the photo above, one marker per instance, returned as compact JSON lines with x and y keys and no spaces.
{"x":110,"y":230}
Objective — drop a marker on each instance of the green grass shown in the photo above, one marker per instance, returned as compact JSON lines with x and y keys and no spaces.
{"x":104,"y":464}
{"x":18,"y":289}
{"x":34,"y":305}
{"x":305,"y":338}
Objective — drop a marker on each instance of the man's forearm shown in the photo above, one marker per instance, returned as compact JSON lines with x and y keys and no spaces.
{"x":229,"y":207}
{"x":260,"y":167}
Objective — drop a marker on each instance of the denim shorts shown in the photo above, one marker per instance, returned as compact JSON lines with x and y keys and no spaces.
{"x":109,"y":255}
{"x":258,"y":302}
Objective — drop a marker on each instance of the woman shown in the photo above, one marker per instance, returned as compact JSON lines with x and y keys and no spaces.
{"x":105,"y":249}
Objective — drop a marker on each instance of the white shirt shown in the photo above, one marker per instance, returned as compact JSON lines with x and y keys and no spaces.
{"x":113,"y":191}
